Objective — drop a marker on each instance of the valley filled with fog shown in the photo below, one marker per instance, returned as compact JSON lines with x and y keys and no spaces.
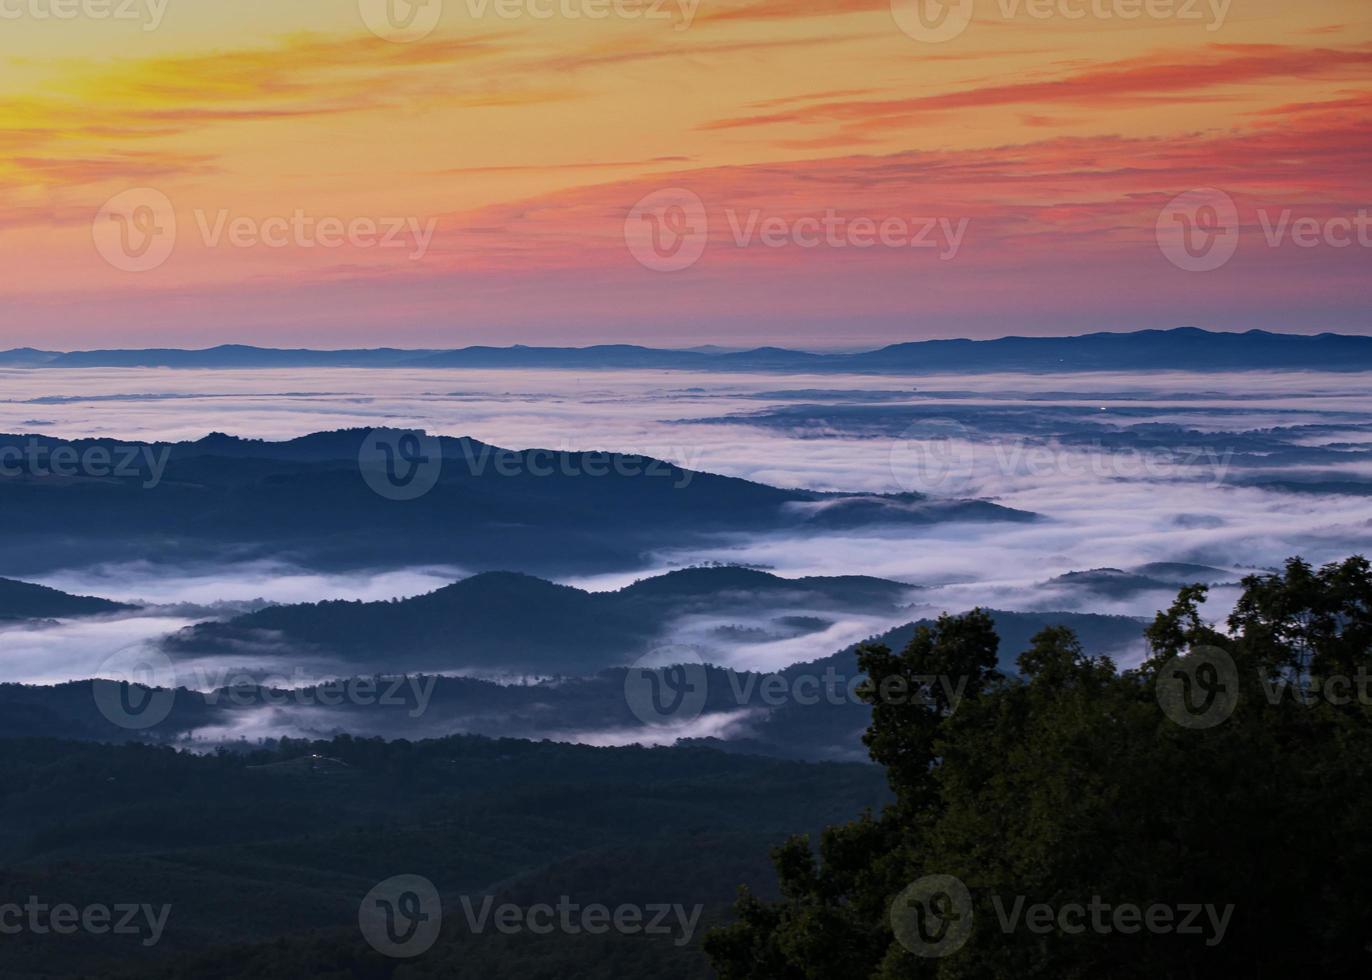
{"x":1110,"y":492}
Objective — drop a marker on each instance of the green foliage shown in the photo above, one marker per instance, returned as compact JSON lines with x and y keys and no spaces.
{"x":1069,"y":782}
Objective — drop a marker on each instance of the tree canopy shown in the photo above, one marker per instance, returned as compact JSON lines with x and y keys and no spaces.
{"x":1229,"y":771}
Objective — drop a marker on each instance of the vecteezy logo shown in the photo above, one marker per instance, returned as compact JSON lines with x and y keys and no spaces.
{"x":135,"y":230}
{"x":1199,"y":689}
{"x":667,"y":685}
{"x":933,"y":456}
{"x":1199,"y":231}
{"x":667,"y":230}
{"x":932,"y":21}
{"x":135,"y":687}
{"x":933,"y":916}
{"x":400,"y":464}
{"x":401,"y":21}
{"x":402,"y":916}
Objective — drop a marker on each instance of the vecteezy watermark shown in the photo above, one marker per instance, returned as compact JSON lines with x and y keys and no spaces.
{"x":1338,"y":690}
{"x":565,"y":462}
{"x":673,"y":684}
{"x":933,"y":456}
{"x":933,"y":917}
{"x":147,"y":12}
{"x":1200,"y":230}
{"x":244,"y":689}
{"x":942,"y":456}
{"x":135,"y":687}
{"x":64,"y":919}
{"x":679,"y":13}
{"x":40,"y":459}
{"x":571,"y":463}
{"x":400,"y":464}
{"x":1307,"y":231}
{"x":401,"y":21}
{"x":573,"y":919}
{"x":303,"y":230}
{"x":404,"y":464}
{"x":936,"y":21}
{"x":836,"y":230}
{"x":1200,"y":688}
{"x":667,"y":685}
{"x":668,"y":230}
{"x":1204,"y":920}
{"x":402,"y":916}
{"x":136,"y":231}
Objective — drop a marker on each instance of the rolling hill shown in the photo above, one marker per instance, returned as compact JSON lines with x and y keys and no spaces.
{"x":519,"y":624}
{"x":315,"y":501}
{"x":24,"y":600}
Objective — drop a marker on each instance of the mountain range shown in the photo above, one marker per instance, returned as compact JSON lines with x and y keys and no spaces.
{"x":517,"y":624}
{"x":511,"y":625}
{"x":322,"y":501}
{"x":1183,"y":348}
{"x":749,"y":717}
{"x":506,"y":623}
{"x":23,"y":600}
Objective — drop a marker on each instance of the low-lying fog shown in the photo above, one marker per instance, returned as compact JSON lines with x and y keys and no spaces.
{"x":1124,"y":469}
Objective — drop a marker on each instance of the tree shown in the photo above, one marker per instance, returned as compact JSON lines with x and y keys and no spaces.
{"x":1068,"y":784}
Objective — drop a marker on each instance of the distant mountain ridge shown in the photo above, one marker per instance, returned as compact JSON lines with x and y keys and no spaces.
{"x":559,"y":709}
{"x":24,"y":600}
{"x":1183,"y":348}
{"x":520,"y":624}
{"x":316,"y":500}
{"x":1118,"y":583}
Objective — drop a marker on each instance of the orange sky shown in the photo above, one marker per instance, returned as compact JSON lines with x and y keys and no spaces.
{"x":816,"y":172}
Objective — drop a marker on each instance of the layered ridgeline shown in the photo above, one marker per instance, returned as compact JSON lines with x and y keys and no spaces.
{"x":807,"y":710}
{"x":24,"y":600}
{"x":1120,"y":583}
{"x":514,"y":624}
{"x":512,"y":655}
{"x":1185,"y":348}
{"x":518,"y":625}
{"x":353,"y":499}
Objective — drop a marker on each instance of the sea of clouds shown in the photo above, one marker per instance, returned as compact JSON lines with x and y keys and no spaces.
{"x":1123,"y":469}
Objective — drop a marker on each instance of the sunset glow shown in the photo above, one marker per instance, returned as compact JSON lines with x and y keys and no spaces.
{"x":307,"y":160}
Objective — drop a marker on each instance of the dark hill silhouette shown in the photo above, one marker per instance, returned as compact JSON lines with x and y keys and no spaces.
{"x":1183,"y":348}
{"x":308,"y":500}
{"x":862,"y":591}
{"x":277,"y":845}
{"x":24,"y":600}
{"x":823,"y":726}
{"x":1118,"y":583}
{"x":509,"y":622}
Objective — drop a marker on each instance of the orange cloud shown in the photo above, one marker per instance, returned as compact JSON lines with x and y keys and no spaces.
{"x":771,"y":10}
{"x":1140,"y":81}
{"x":158,"y":98}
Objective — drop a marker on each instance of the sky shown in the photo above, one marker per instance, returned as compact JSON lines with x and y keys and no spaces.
{"x":815,"y":173}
